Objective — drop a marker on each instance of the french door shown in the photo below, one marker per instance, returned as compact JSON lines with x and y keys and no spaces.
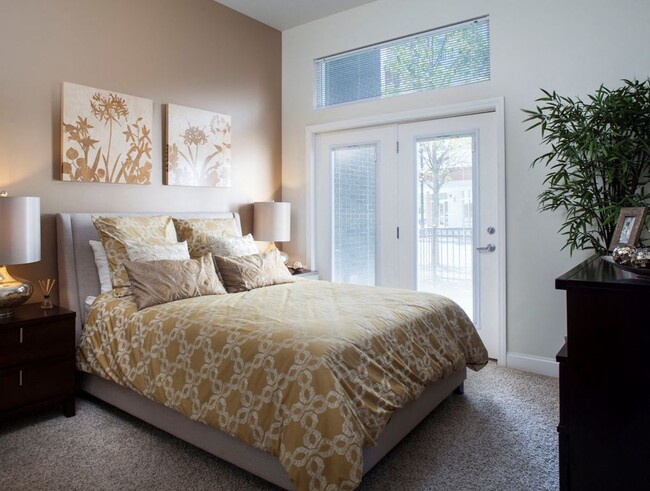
{"x":355,"y":211}
{"x":414,"y":205}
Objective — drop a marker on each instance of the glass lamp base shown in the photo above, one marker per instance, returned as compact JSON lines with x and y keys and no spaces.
{"x":13,"y":292}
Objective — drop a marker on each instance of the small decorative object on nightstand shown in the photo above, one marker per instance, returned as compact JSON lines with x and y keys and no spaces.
{"x":37,"y":360}
{"x":304,"y":273}
{"x":46,"y":286}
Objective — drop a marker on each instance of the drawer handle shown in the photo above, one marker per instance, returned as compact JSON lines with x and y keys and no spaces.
{"x":21,"y":335}
{"x":20,"y":378}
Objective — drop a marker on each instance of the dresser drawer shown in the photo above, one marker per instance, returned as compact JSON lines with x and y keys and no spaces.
{"x":36,"y":342}
{"x":36,"y":382}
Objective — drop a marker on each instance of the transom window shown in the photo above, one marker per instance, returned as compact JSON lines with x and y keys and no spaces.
{"x":448,"y":56}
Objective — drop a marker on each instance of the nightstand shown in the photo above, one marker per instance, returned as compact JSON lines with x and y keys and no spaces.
{"x":37,"y":360}
{"x":305,"y":273}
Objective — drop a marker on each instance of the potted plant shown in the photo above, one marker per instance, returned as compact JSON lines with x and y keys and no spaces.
{"x":598,"y":159}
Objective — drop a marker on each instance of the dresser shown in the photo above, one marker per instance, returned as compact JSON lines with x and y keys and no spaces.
{"x":604,"y":423}
{"x":37,"y":360}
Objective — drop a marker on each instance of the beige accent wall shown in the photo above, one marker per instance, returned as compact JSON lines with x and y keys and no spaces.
{"x":195,"y":53}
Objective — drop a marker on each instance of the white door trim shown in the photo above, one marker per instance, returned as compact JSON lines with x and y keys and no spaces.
{"x":496,"y":104}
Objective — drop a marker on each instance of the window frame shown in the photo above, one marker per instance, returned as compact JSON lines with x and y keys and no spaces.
{"x":378,"y":46}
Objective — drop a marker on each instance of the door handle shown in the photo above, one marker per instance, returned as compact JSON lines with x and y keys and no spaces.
{"x":487,"y":248}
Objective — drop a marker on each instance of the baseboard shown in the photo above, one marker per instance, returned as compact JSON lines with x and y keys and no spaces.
{"x":532,"y":363}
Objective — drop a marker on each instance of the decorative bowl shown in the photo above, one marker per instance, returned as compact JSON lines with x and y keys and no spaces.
{"x":641,"y":272}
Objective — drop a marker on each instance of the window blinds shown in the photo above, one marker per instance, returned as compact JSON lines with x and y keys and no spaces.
{"x":444,"y":57}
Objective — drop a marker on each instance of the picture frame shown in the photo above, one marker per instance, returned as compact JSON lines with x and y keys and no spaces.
{"x":629,"y":226}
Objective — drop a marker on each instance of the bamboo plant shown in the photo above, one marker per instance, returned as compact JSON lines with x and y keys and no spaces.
{"x":598,"y":159}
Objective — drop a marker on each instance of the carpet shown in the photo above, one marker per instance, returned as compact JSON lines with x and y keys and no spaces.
{"x":501,"y":434}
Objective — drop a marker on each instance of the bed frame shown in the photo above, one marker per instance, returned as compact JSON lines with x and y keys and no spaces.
{"x":78,"y":279}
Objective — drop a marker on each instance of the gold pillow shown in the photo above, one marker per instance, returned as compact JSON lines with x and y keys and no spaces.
{"x":242,"y":273}
{"x":115,"y":231}
{"x":194,"y":231}
{"x":168,"y":280}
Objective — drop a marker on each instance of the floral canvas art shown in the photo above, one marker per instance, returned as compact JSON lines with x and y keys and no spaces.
{"x":198,"y":147}
{"x":106,"y":136}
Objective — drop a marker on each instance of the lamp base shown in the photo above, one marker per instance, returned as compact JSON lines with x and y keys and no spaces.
{"x":13,"y":292}
{"x":283,"y":255}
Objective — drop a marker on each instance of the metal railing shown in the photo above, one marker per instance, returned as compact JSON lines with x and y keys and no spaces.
{"x":445,"y":254}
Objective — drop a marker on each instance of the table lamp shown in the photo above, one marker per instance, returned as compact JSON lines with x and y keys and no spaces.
{"x":20,"y":243}
{"x":272,"y":223}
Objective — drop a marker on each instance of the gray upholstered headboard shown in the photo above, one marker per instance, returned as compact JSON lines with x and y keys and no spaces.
{"x":78,"y":277}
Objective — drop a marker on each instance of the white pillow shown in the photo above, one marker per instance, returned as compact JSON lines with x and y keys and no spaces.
{"x":88,"y":305}
{"x":231,"y":246}
{"x":141,"y":251}
{"x":101,"y":262}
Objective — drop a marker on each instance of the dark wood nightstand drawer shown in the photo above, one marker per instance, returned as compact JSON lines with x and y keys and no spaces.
{"x":36,"y":342}
{"x":36,"y":382}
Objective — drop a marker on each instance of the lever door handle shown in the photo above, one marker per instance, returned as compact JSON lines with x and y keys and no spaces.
{"x":487,"y":248}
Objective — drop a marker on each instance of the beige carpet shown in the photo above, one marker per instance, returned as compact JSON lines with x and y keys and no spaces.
{"x":501,"y":434}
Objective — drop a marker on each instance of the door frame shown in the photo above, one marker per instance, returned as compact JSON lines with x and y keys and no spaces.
{"x":496,"y":105}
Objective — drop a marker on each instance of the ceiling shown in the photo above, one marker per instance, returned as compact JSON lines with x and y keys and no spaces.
{"x":285,"y":14}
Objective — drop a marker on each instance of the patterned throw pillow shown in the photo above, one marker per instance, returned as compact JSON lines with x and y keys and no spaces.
{"x":139,"y":251}
{"x":167,"y":280}
{"x":114,"y":231}
{"x":244,"y":273}
{"x":231,"y":246}
{"x":194,"y":231}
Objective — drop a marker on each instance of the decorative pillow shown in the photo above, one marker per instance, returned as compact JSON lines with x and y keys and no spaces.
{"x":101,"y":262}
{"x":114,"y":231}
{"x":167,"y":280}
{"x":194,"y":231}
{"x":139,"y":251}
{"x":244,"y":273}
{"x":88,"y":304}
{"x":231,"y":246}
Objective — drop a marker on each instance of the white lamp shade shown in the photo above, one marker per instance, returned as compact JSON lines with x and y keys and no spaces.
{"x":272,"y":221}
{"x":20,"y":230}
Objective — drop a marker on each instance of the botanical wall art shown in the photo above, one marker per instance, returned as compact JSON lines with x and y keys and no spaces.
{"x":105,"y":137}
{"x":198,"y":147}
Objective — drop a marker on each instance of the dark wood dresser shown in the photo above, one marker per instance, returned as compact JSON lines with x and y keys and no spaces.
{"x":604,"y":430}
{"x":37,"y":360}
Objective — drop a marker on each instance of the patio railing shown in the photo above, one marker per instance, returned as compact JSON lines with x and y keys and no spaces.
{"x":445,"y":254}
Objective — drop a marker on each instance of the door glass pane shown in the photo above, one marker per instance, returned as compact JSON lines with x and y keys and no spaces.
{"x":354,"y":172}
{"x":445,"y":209}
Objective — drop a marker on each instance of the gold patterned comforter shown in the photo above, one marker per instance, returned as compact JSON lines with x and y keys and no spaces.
{"x":309,"y":371}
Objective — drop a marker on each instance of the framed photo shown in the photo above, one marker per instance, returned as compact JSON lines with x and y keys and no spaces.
{"x":629,"y":226}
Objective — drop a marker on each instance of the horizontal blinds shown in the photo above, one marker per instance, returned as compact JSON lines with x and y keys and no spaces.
{"x":444,"y":57}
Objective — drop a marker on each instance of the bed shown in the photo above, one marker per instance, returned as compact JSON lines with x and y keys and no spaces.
{"x":78,"y":280}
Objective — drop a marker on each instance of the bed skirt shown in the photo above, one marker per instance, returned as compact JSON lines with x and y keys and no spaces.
{"x":253,"y":460}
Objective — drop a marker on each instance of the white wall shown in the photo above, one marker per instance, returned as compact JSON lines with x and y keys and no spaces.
{"x":571,"y":46}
